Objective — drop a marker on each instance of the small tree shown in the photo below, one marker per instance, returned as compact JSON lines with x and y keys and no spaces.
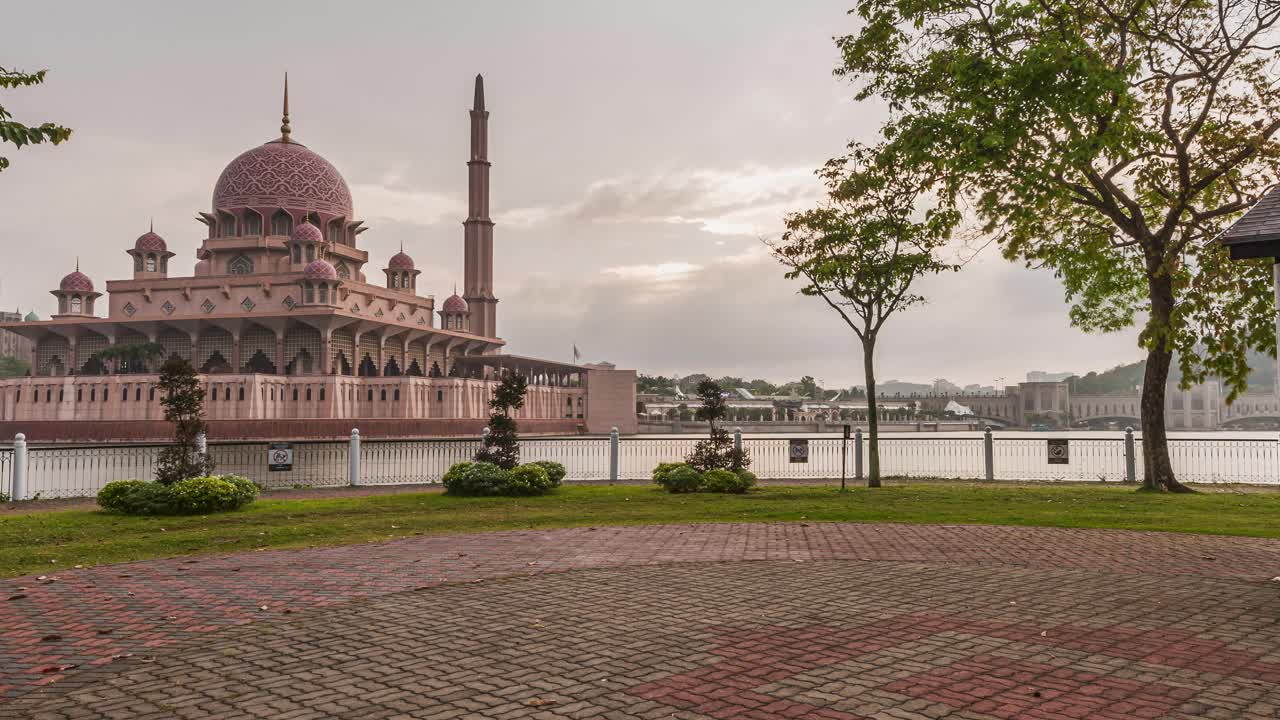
{"x":501,"y":445}
{"x":716,"y":452}
{"x":129,"y":357}
{"x":14,"y":132}
{"x":862,"y":252}
{"x":183,"y":403}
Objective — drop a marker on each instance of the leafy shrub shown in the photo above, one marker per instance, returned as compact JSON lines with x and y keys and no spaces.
{"x":246,"y":489}
{"x":475,"y":478}
{"x":197,"y":496}
{"x":136,"y":497}
{"x":527,"y":480}
{"x":112,"y":494}
{"x":679,"y":479}
{"x":555,"y":471}
{"x":727,"y":481}
{"x":660,"y":472}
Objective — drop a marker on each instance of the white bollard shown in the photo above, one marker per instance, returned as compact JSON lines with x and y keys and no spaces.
{"x":613,"y":455}
{"x":353,"y":459}
{"x":19,"y":489}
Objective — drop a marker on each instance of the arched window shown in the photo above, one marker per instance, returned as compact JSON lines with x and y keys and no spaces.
{"x":241,"y":265}
{"x":344,"y":272}
{"x":335,"y":231}
{"x":324,"y":292}
{"x":151,"y":263}
{"x":252,"y":223}
{"x":314,"y":219}
{"x":137,"y":263}
{"x":309,"y":293}
{"x":297,"y":253}
{"x":404,"y":280}
{"x":75,"y":304}
{"x":281,"y":223}
{"x":226,"y":225}
{"x":395,"y":280}
{"x":164,"y":264}
{"x":311,"y":252}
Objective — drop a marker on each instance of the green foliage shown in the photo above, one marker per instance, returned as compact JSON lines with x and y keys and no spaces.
{"x":11,"y":366}
{"x":475,"y":479}
{"x":727,"y":481}
{"x":527,"y":479}
{"x":16,"y":133}
{"x":183,"y":403}
{"x":192,"y":496}
{"x":555,"y":471}
{"x":1119,"y":379}
{"x":502,"y":444}
{"x":678,"y":478}
{"x":717,"y":451}
{"x":133,"y":357}
{"x":1109,"y":141}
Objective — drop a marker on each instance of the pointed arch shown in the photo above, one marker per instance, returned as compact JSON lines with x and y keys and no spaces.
{"x":281,"y":223}
{"x":240,"y":265}
{"x":252,"y":224}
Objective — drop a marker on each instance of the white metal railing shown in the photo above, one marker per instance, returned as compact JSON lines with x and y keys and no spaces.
{"x":80,"y":471}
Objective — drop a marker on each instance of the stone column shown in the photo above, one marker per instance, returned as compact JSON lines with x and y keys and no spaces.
{"x":280,"y":360}
{"x":326,"y":353}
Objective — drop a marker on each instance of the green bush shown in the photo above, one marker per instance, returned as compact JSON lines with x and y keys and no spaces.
{"x":198,"y":496}
{"x":111,"y":496}
{"x":660,"y":472}
{"x":475,"y":478}
{"x":678,"y":479}
{"x":527,"y":480}
{"x":136,"y":497}
{"x":727,"y":481}
{"x":555,"y":471}
{"x":246,"y":489}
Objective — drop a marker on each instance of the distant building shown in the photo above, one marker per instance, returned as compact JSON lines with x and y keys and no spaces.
{"x":12,"y":344}
{"x":1040,"y":376}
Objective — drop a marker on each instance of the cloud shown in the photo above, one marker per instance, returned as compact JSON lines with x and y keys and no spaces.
{"x":747,"y":201}
{"x":411,"y":206}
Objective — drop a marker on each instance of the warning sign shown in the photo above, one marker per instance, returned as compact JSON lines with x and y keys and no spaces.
{"x":280,"y":457}
{"x":1059,"y":452}
{"x":799,"y":451}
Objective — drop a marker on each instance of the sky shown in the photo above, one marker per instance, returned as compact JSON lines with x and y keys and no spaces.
{"x":640,"y":151}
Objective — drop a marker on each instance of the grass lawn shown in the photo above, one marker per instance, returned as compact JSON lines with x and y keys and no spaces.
{"x":56,"y":540}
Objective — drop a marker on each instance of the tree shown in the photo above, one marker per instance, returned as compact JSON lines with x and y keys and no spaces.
{"x":502,"y":445}
{"x":861,"y":253}
{"x":182,"y":398}
{"x":126,"y":358}
{"x":1108,"y":140}
{"x":717,"y":451}
{"x":16,"y":133}
{"x":11,"y":366}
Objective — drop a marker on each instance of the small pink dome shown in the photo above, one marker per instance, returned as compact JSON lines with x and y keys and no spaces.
{"x":76,"y":282}
{"x":455,"y":304}
{"x":400,"y":261}
{"x":306,"y":232}
{"x":320,"y":270}
{"x":150,"y":242}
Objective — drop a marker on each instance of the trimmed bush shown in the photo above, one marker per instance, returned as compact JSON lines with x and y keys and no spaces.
{"x":111,"y":496}
{"x":527,"y":480}
{"x":202,"y":495}
{"x":136,"y":497}
{"x":246,"y":489}
{"x":727,"y":481}
{"x":679,"y":479}
{"x":475,"y":478}
{"x":555,"y":471}
{"x":660,"y":472}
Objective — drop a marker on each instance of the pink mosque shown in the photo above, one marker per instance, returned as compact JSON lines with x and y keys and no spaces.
{"x":292,"y":339}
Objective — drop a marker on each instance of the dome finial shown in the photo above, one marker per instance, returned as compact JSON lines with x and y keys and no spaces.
{"x":153,"y":225}
{"x":284,"y":120}
{"x":77,"y":263}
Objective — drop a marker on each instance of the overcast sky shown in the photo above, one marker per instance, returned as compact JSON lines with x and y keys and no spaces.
{"x":639,"y":151}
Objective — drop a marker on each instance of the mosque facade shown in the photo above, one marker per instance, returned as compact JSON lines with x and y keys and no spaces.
{"x":294,"y":330}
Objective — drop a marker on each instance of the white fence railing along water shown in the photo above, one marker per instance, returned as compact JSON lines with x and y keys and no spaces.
{"x":80,"y":471}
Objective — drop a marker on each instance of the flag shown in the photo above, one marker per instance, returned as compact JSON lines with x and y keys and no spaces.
{"x":576,"y":355}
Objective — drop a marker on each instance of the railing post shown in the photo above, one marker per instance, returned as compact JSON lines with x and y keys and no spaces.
{"x":1130,"y":461}
{"x":353,"y":458}
{"x":737,"y":439}
{"x":19,"y":489}
{"x":989,"y":454}
{"x":857,"y":454}
{"x":613,"y":455}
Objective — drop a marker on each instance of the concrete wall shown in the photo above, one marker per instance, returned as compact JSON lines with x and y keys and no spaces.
{"x":611,"y":400}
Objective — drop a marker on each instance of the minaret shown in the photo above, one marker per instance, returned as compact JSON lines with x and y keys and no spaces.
{"x":478,"y":228}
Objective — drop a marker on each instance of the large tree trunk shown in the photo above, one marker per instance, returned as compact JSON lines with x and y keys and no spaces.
{"x":873,"y":413}
{"x":1157,"y":470}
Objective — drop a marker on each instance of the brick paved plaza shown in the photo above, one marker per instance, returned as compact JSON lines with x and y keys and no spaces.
{"x":834,"y":621}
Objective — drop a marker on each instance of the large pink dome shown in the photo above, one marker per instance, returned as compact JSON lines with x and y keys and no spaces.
{"x":283,"y":174}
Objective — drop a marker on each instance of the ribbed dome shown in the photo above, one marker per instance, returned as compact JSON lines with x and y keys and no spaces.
{"x":454,"y":304}
{"x":31,"y":317}
{"x":151,"y":242}
{"x":282,"y":174}
{"x":320,"y":270}
{"x":306,"y":232}
{"x":76,"y":282}
{"x":400,"y":261}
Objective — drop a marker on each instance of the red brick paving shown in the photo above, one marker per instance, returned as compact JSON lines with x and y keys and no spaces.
{"x":950,"y":620}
